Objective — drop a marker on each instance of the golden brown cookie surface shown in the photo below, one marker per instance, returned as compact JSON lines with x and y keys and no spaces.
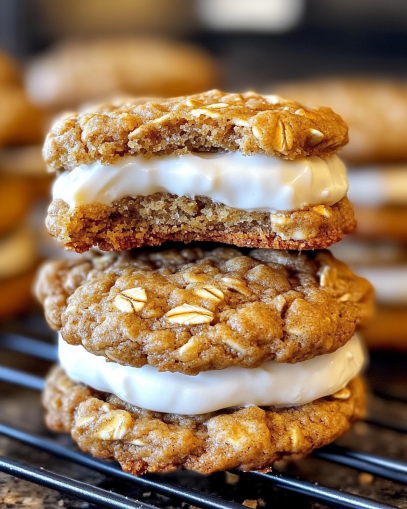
{"x":152,"y":220}
{"x":374,"y":109}
{"x":192,"y":311}
{"x":246,"y":438}
{"x":214,"y":120}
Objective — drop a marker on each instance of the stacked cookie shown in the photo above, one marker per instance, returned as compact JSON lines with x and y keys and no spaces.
{"x":376,"y":111}
{"x":20,"y":124}
{"x":203,"y":357}
{"x":78,"y":70}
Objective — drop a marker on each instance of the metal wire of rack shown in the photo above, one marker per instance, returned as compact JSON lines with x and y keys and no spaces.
{"x":393,"y":470}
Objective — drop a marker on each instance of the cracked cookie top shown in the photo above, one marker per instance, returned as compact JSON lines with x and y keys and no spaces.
{"x":207,"y":122}
{"x":190,"y":311}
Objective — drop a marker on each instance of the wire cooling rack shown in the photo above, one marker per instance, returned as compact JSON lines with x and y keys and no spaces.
{"x":378,"y":480}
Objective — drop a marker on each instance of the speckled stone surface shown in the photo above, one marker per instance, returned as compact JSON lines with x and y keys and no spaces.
{"x":22,"y":408}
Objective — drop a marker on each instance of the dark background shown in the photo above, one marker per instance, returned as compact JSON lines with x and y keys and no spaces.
{"x":330,"y":37}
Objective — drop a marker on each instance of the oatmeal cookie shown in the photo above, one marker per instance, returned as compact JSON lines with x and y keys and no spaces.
{"x":8,"y":70}
{"x":250,"y":438}
{"x":75,"y":71}
{"x":15,"y":201}
{"x":190,"y":311}
{"x":20,"y":121}
{"x":205,"y":122}
{"x":382,"y":222}
{"x":375,"y":110}
{"x":388,"y":328}
{"x":25,"y":163}
{"x":18,"y":263}
{"x":16,"y":293}
{"x":152,"y":220}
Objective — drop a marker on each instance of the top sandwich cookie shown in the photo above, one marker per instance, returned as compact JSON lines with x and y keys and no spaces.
{"x":175,"y":169}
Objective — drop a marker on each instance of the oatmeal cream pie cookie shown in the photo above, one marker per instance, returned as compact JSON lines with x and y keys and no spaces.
{"x":247,"y":438}
{"x":79,"y":70}
{"x":190,"y":311}
{"x":245,"y":169}
{"x":375,"y":110}
{"x":18,"y":263}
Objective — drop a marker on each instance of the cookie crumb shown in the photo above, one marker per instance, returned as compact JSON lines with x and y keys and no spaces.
{"x":147,"y":494}
{"x":9,"y":499}
{"x":32,"y":502}
{"x":365,"y":478}
{"x":250,"y":503}
{"x":231,"y":479}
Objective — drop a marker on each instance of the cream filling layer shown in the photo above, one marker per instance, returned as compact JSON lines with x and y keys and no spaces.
{"x":272,"y":383}
{"x":252,"y":183}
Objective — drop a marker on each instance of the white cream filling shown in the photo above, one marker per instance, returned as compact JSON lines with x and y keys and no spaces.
{"x":252,"y":183}
{"x":17,"y":252}
{"x":378,"y":185}
{"x":272,"y":383}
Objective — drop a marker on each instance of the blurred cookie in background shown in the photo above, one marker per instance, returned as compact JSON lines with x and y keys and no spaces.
{"x":388,"y":328}
{"x":385,"y":265}
{"x":9,"y":73}
{"x":15,"y":202}
{"x":75,"y":71}
{"x":23,"y":179}
{"x":18,"y":262}
{"x":374,"y":109}
{"x":379,"y":195}
{"x":20,"y":121}
{"x":382,"y":223}
{"x":376,"y":112}
{"x":26,"y":163}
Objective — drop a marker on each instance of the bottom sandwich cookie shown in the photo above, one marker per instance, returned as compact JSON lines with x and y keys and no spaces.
{"x":238,"y":437}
